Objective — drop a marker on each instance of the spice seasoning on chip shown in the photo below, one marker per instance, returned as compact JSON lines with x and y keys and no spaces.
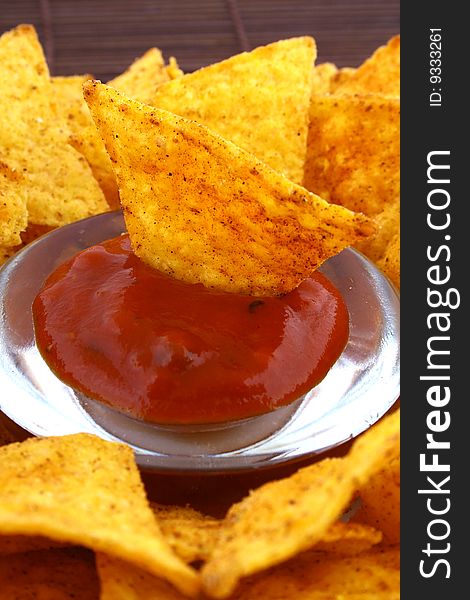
{"x":203,"y":210}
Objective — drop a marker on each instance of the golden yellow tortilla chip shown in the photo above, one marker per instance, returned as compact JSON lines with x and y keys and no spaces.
{"x":379,"y":74}
{"x":348,"y":538}
{"x":61,"y":186}
{"x":390,"y":261}
{"x":68,"y":103}
{"x":66,"y":190}
{"x":49,"y":575}
{"x":83,"y":490}
{"x":382,"y":440}
{"x":193,"y":535}
{"x":284,"y":517}
{"x":342,"y":76}
{"x":383,"y":247}
{"x":189,"y":533}
{"x":141,"y":80}
{"x":353,"y":156}
{"x":387,"y":223}
{"x":88,"y":142}
{"x":372,"y":575}
{"x":203,"y":210}
{"x":258,"y":100}
{"x":13,"y":211}
{"x":173,"y":70}
{"x":121,"y":581}
{"x":70,"y":108}
{"x":323,"y":75}
{"x":380,"y":502}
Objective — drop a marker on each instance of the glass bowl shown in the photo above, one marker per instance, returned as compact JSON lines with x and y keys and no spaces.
{"x":361,"y":386}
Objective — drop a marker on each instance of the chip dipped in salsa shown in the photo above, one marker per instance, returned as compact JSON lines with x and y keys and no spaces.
{"x":170,"y":352}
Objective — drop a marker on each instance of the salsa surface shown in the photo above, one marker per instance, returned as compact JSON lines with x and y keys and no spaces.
{"x":169,"y":352}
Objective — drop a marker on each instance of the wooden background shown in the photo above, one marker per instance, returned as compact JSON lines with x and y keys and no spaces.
{"x":103,"y":37}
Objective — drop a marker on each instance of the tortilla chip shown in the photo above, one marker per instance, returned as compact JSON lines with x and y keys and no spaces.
{"x":141,"y":80}
{"x":373,"y":575}
{"x":284,"y":517}
{"x":200,"y":209}
{"x":341,"y":77}
{"x":121,"y":581}
{"x":66,"y":190}
{"x":13,"y":211}
{"x":380,"y":502}
{"x":353,"y":156}
{"x":348,"y":538}
{"x":382,"y":440}
{"x":323,"y":75}
{"x":189,"y":533}
{"x":173,"y":70}
{"x":83,"y":490}
{"x":379,"y":74}
{"x":258,"y":100}
{"x":193,"y":535}
{"x":70,"y":108}
{"x":387,"y":227}
{"x":390,"y":262}
{"x":49,"y":575}
{"x":88,"y":142}
{"x":68,"y":103}
{"x":384,"y":246}
{"x":60,"y":183}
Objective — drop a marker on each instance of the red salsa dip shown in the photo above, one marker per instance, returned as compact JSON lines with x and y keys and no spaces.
{"x":170,"y":352}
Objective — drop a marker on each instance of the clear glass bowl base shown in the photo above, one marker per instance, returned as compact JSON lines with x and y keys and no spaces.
{"x":362,"y":385}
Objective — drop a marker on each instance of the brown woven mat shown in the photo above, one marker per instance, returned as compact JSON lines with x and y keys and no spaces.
{"x":103,"y":37}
